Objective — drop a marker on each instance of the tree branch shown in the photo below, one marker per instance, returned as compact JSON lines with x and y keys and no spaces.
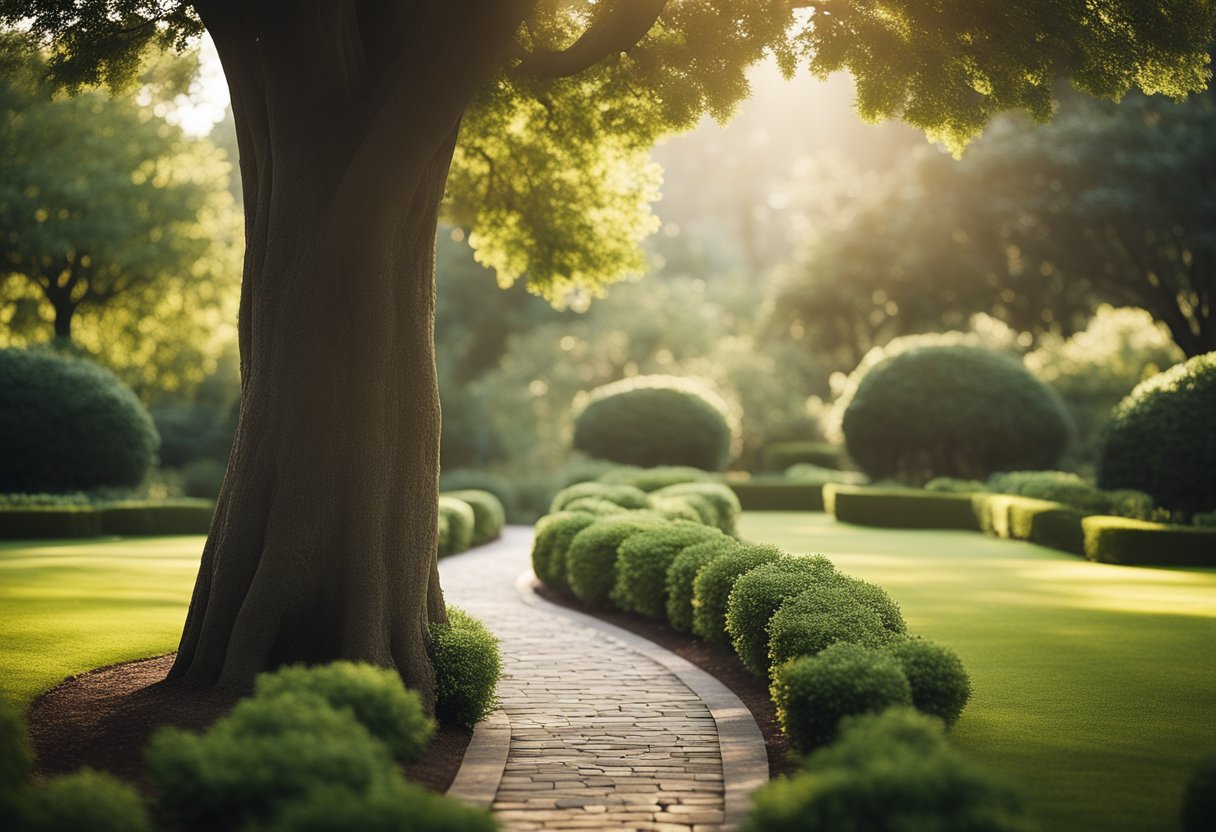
{"x":617,"y":28}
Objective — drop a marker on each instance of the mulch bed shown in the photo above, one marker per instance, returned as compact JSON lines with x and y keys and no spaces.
{"x":716,"y":659}
{"x":102,"y":719}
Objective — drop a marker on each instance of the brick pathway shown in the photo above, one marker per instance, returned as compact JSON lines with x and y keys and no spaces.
{"x":602,"y":735}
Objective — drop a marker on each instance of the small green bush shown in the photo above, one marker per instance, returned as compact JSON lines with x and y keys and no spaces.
{"x":814,"y":693}
{"x":900,"y":508}
{"x":777,"y":494}
{"x":16,"y":762}
{"x":940,"y":684}
{"x":375,"y":696}
{"x":725,"y":503}
{"x":1199,"y":797}
{"x":714,"y":582}
{"x":890,"y":771}
{"x":554,"y":532}
{"x":758,"y":594}
{"x":488,"y":513}
{"x":1053,"y":486}
{"x":655,"y":420}
{"x":676,"y":508}
{"x":68,"y":425}
{"x":652,"y":479}
{"x":591,"y":558}
{"x":467,"y":666}
{"x":625,"y":496}
{"x":1160,"y":439}
{"x":392,"y":807}
{"x":595,"y":506}
{"x":810,"y":622}
{"x":1141,"y":543}
{"x":266,"y":753}
{"x":642,"y":562}
{"x":682,"y":573}
{"x":779,"y":456}
{"x":473,"y":479}
{"x":461,"y":520}
{"x":85,"y":800}
{"x":877,"y":599}
{"x":955,"y":411}
{"x":703,"y":507}
{"x":157,"y":517}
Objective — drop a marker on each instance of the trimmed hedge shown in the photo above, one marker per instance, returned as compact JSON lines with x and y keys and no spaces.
{"x":900,"y":508}
{"x":777,"y":456}
{"x":554,"y":532}
{"x":488,"y":513}
{"x":467,"y":666}
{"x":375,"y":696}
{"x":758,"y":594}
{"x":460,"y":520}
{"x":1141,"y":543}
{"x":49,"y":522}
{"x":591,"y":558}
{"x":642,"y":563}
{"x":475,"y":479}
{"x":940,"y":684}
{"x":720,"y":496}
{"x":712,"y":587}
{"x":808,"y":623}
{"x":683,"y":572}
{"x":625,"y":496}
{"x":652,"y":479}
{"x":777,"y":494}
{"x":595,"y":506}
{"x":655,"y":420}
{"x":1160,"y":439}
{"x":146,"y":517}
{"x":1051,"y":524}
{"x":814,"y":693}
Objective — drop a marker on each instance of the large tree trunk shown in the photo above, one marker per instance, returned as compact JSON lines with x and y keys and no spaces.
{"x":323,"y":544}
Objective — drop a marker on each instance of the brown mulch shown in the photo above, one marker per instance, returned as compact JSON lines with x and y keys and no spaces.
{"x":716,"y":659}
{"x":102,"y":719}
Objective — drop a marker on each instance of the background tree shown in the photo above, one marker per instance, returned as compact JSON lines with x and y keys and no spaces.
{"x":111,"y":214}
{"x":347,"y":118}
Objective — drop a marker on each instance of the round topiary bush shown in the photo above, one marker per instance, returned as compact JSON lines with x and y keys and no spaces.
{"x":591,"y":558}
{"x":67,"y":424}
{"x":467,"y":666}
{"x":711,"y":588}
{"x":1160,"y":438}
{"x":16,"y":762}
{"x":655,"y":420}
{"x":554,"y":532}
{"x":625,"y":496}
{"x":593,"y":506}
{"x":683,"y":571}
{"x":814,"y":693}
{"x":460,"y":521}
{"x":940,"y":684}
{"x":810,"y":622}
{"x":396,"y":805}
{"x":374,"y":696}
{"x":488,"y":513}
{"x":642,"y":562}
{"x":85,"y":799}
{"x":723,"y":499}
{"x":758,"y":594}
{"x":652,"y":479}
{"x":953,"y":411}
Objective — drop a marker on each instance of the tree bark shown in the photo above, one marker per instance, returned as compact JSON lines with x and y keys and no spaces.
{"x":323,"y":544}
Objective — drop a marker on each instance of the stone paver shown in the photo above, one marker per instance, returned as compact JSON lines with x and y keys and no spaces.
{"x":601,"y":735}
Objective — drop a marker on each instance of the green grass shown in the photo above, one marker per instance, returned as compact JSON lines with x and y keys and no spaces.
{"x":1095,"y":685}
{"x":69,"y":606}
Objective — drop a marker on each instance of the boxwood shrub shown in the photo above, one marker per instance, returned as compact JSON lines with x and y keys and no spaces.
{"x":683,"y":572}
{"x":488,"y":513}
{"x":594,"y":506}
{"x":625,"y":496}
{"x":642,"y":562}
{"x":810,"y":622}
{"x":157,"y":517}
{"x":591,"y":558}
{"x":473,"y":479}
{"x":900,"y":508}
{"x":940,"y":684}
{"x":725,"y":503}
{"x":676,"y":508}
{"x":652,"y":479}
{"x":389,"y":807}
{"x":467,"y":666}
{"x":952,"y":410}
{"x":460,"y":522}
{"x":711,"y":588}
{"x":84,"y":800}
{"x":375,"y":696}
{"x":554,"y":532}
{"x":757,"y":594}
{"x":1139,"y":542}
{"x":16,"y":762}
{"x":1160,"y":438}
{"x":655,"y":420}
{"x":814,"y":693}
{"x":66,"y":424}
{"x":41,"y":522}
{"x":890,"y":771}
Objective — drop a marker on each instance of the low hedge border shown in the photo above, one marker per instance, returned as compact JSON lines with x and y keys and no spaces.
{"x":777,"y":494}
{"x":1141,"y":543}
{"x":44,"y":522}
{"x":146,"y":518}
{"x":900,"y":508}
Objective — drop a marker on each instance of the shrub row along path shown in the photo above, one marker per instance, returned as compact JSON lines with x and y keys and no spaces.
{"x":604,"y":731}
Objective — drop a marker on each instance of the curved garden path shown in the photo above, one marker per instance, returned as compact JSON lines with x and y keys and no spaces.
{"x":606,"y":730}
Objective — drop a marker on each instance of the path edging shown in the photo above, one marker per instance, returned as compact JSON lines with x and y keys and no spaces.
{"x":484,"y":762}
{"x":744,"y":758}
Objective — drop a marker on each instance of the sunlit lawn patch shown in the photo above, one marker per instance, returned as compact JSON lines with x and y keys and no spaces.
{"x":1094,"y":685}
{"x":71,"y":606}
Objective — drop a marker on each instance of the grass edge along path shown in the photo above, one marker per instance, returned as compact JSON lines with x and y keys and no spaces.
{"x":70,"y":606}
{"x":1094,"y":685}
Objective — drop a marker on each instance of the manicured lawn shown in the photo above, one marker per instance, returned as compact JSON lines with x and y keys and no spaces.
{"x":71,"y":606}
{"x":1094,"y":685}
